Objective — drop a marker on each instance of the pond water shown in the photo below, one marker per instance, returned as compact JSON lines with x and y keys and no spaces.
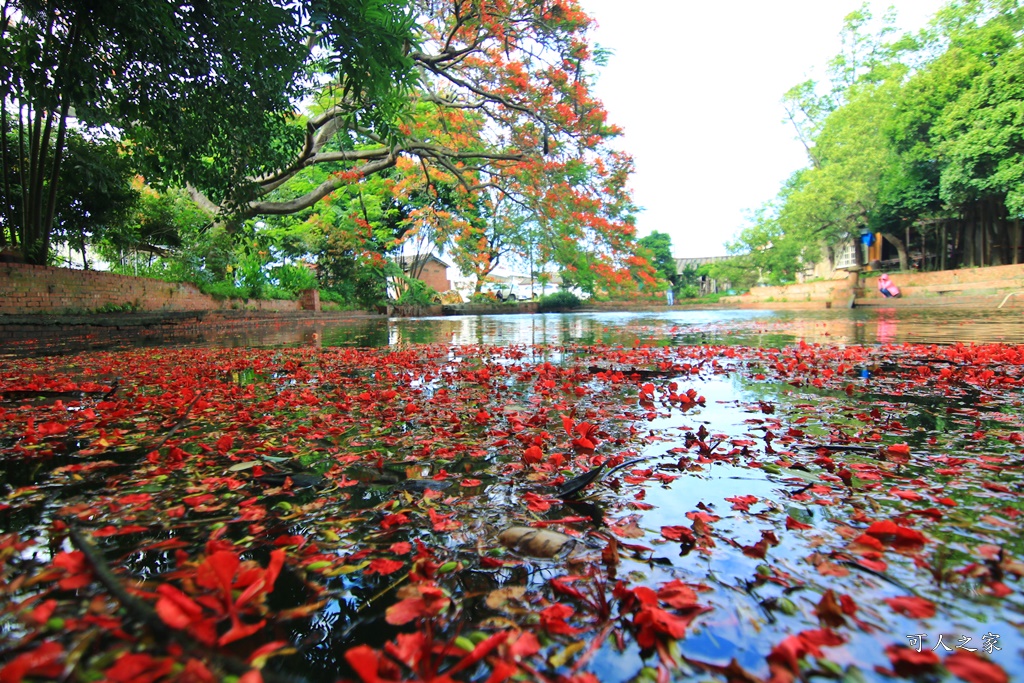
{"x":805,"y":493}
{"x":733,"y":327}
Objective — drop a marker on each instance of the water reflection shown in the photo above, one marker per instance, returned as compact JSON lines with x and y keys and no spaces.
{"x":720,"y":327}
{"x":716,"y":327}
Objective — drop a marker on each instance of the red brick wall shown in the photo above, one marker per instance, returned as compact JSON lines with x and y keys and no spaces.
{"x":435,"y":275}
{"x":28,"y":289}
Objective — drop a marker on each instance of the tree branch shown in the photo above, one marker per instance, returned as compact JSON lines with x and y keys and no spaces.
{"x":324,"y":189}
{"x":201,"y":200}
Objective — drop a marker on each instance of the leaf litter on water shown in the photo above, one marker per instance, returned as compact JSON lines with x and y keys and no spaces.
{"x":359,"y":514}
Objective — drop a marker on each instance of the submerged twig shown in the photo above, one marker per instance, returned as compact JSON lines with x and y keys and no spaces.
{"x":148,"y":616}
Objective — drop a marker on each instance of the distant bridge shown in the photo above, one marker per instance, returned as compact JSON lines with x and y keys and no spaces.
{"x":684,"y":263}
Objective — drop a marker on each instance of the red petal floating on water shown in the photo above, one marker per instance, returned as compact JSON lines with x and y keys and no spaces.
{"x":42,"y":661}
{"x":384,"y":566}
{"x":909,"y":662}
{"x":912,"y":606}
{"x":974,"y":668}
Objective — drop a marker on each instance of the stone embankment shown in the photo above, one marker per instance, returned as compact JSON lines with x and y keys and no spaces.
{"x":34,"y":290}
{"x":982,"y":288}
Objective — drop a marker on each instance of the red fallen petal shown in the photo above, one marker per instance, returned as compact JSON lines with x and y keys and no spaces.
{"x":408,"y":648}
{"x":568,"y":423}
{"x":909,"y":662}
{"x":251,"y":676}
{"x":912,"y":606}
{"x":999,"y":589}
{"x":888,"y":531}
{"x":533,"y":454}
{"x":905,"y":495}
{"x":470,"y":482}
{"x":239,"y":631}
{"x":973,"y":668}
{"x":552,"y":620}
{"x":218,"y":570}
{"x":384,"y":566}
{"x":391,"y":520}
{"x":524,"y":646}
{"x":742,"y":502}
{"x":873,"y":564}
{"x":365,"y":661}
{"x":195,"y":501}
{"x":175,"y":608}
{"x":296,"y":540}
{"x":196,"y":672}
{"x":138,"y":668}
{"x":646,"y":596}
{"x":988,"y":551}
{"x":652,"y":621}
{"x":678,"y":533}
{"x":793,"y":524}
{"x":583,"y":444}
{"x":677,"y":594}
{"x":274,"y":568}
{"x":482,"y":649}
{"x":430,"y":602}
{"x":43,"y":661}
{"x":43,"y":612}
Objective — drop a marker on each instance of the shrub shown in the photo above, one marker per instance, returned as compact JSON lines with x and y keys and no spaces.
{"x":418,"y":294}
{"x":559,"y":301}
{"x":332,"y":297}
{"x":274,"y":292}
{"x":294,"y":278}
{"x":688,"y":292}
{"x":225,"y":289}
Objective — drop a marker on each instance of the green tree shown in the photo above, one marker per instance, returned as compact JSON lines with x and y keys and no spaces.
{"x":95,"y":195}
{"x":659,"y":244}
{"x":197,"y":82}
{"x":504,"y":105}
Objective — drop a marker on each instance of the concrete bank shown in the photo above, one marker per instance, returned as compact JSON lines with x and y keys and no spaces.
{"x":980,"y":288}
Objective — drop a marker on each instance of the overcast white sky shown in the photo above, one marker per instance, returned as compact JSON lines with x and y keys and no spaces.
{"x":698,"y":85}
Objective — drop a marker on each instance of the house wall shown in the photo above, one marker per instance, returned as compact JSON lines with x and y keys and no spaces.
{"x":26,"y":289}
{"x":435,"y":275}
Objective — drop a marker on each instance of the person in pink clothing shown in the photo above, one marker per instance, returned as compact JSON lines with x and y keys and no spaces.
{"x":887,"y":287}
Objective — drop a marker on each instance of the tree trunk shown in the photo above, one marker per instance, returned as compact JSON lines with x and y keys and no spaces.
{"x":980,"y":241}
{"x":901,"y":249}
{"x":943,"y":240}
{"x":967,"y":252}
{"x":1015,"y":242}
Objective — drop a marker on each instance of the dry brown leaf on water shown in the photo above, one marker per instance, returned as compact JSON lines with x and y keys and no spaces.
{"x":537,"y":542}
{"x":498,"y":599}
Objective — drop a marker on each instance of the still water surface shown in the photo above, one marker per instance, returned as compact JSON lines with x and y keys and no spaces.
{"x":729,"y":327}
{"x":763,"y":328}
{"x":745,"y":622}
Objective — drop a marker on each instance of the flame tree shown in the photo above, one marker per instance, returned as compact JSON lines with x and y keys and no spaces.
{"x":496,"y":103}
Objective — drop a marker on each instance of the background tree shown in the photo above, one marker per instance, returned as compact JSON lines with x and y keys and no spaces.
{"x":503,"y":104}
{"x":659,"y":248}
{"x":910,"y":136}
{"x":197,"y":82}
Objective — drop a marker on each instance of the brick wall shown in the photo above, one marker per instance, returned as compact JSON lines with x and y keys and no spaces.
{"x":435,"y":275}
{"x":28,"y":289}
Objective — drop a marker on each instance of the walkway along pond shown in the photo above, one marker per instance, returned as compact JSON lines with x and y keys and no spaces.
{"x":733,"y":496}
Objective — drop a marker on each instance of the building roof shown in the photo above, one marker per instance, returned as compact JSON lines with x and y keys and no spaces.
{"x":407,"y":261}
